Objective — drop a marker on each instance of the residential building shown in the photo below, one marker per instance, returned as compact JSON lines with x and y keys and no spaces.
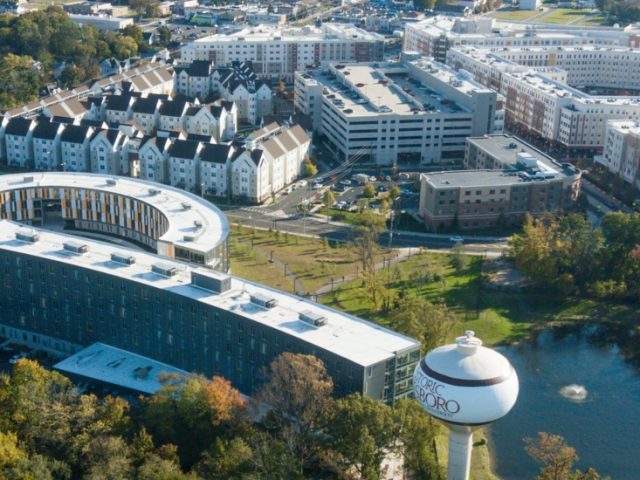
{"x":74,"y":147}
{"x":413,"y":111}
{"x":434,"y":36}
{"x":215,"y":167}
{"x":171,"y":222}
{"x":621,"y":155}
{"x":184,"y":165}
{"x":530,"y":4}
{"x":146,"y":113}
{"x":118,"y":108}
{"x":504,"y":179}
{"x":46,"y":145}
{"x":278,"y":52}
{"x":106,"y":152}
{"x":153,"y":156}
{"x":539,"y":100}
{"x":101,"y":22}
{"x":18,"y":136}
{"x":236,"y":82}
{"x":172,"y":114}
{"x":219,"y":120}
{"x":192,"y":318}
{"x":250,"y":175}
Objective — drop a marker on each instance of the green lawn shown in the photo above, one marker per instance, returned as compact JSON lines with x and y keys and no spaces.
{"x":593,"y":20}
{"x":497,"y":317}
{"x":517,"y":15}
{"x":314,"y":261}
{"x":564,"y":15}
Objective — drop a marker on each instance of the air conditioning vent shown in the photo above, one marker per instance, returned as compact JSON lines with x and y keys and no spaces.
{"x":153,"y":191}
{"x":112,"y":181}
{"x":77,"y":248}
{"x":263,"y":301}
{"x":28,"y":179}
{"x":27,"y":236}
{"x":164,"y":270}
{"x":311,"y":318}
{"x":123,"y":258}
{"x":186,"y":206}
{"x":214,"y":282}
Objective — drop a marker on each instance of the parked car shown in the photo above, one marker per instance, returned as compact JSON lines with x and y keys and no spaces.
{"x":456,"y":239}
{"x":317,"y":186}
{"x":17,"y":357}
{"x":345,"y":182}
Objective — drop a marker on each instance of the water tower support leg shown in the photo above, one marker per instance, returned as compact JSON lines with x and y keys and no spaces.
{"x":460,"y":444}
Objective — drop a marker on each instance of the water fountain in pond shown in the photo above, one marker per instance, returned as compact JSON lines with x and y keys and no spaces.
{"x":574,"y":393}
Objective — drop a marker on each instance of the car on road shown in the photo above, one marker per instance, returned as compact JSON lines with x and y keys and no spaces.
{"x":345,"y":182}
{"x":317,"y":186}
{"x":456,"y":239}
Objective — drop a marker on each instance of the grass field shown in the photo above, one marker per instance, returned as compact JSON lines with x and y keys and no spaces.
{"x":313,"y":261}
{"x":497,"y":317}
{"x":593,"y":21}
{"x":561,"y":16}
{"x":517,"y":15}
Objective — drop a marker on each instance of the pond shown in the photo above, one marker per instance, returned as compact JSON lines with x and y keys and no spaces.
{"x":581,"y":382}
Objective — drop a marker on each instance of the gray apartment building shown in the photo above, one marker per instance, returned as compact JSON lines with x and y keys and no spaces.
{"x":63,"y":293}
{"x":504,"y":179}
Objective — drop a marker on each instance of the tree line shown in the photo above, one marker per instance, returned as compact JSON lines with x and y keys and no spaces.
{"x":40,"y":46}
{"x":572,"y":256}
{"x":619,"y":11}
{"x":198,"y":428}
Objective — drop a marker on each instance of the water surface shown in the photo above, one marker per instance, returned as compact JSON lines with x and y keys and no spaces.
{"x":603,"y":426}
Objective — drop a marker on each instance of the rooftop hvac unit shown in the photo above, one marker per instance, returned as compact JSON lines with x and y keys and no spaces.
{"x":123,"y":258}
{"x":186,"y":206}
{"x":27,"y":236}
{"x":154,"y":191}
{"x":77,"y":248}
{"x":214,"y":282}
{"x":27,"y":179}
{"x":197,"y":223}
{"x":164,"y":270}
{"x":311,"y":318}
{"x":112,"y":181}
{"x":263,"y":300}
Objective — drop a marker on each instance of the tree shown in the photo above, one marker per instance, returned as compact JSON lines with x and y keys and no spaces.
{"x":328,"y":199}
{"x":225,"y":402}
{"x":556,"y":458}
{"x":298,"y":390}
{"x":430,"y":323}
{"x":227,"y":459}
{"x":107,"y":458}
{"x":164,"y":35}
{"x":20,"y":81}
{"x":394,"y":192}
{"x":533,"y":250}
{"x":310,"y":170}
{"x":361,"y":431}
{"x":369,"y":190}
{"x":366,"y":234}
{"x":416,"y":434}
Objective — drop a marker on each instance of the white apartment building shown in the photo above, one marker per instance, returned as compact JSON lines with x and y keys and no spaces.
{"x":236,"y":82}
{"x":278,"y":52}
{"x":46,"y":146}
{"x":18,"y":141}
{"x":107,"y":152}
{"x":146,"y":113}
{"x":412,"y":111}
{"x":538,"y":98}
{"x":436,"y":35}
{"x":621,"y":154}
{"x":250,"y":173}
{"x":215,"y":162}
{"x":118,"y":108}
{"x":184,"y":165}
{"x":172,"y":114}
{"x":74,"y":147}
{"x":219,"y":120}
{"x":153,"y":156}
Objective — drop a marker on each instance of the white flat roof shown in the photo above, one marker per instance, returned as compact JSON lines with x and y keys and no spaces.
{"x":169,"y":201}
{"x":117,"y":367}
{"x":362,"y":342}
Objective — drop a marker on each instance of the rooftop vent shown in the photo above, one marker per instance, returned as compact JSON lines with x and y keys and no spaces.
{"x":27,"y":179}
{"x":197,"y":223}
{"x":212,"y":281}
{"x":164,"y":270}
{"x":112,"y":181}
{"x":311,"y":318}
{"x":263,"y":301}
{"x":77,"y":248}
{"x":186,"y":206}
{"x":27,"y":236}
{"x":154,"y":191}
{"x":123,"y":258}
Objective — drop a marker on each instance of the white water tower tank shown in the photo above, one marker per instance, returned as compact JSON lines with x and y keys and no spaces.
{"x":466,"y":386}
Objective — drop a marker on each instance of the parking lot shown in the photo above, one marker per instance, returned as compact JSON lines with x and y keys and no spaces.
{"x":10,"y":352}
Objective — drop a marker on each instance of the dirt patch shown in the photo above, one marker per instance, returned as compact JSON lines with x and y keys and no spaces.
{"x":501,"y":274}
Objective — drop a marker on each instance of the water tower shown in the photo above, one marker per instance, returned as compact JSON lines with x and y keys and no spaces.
{"x":466,"y":386}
